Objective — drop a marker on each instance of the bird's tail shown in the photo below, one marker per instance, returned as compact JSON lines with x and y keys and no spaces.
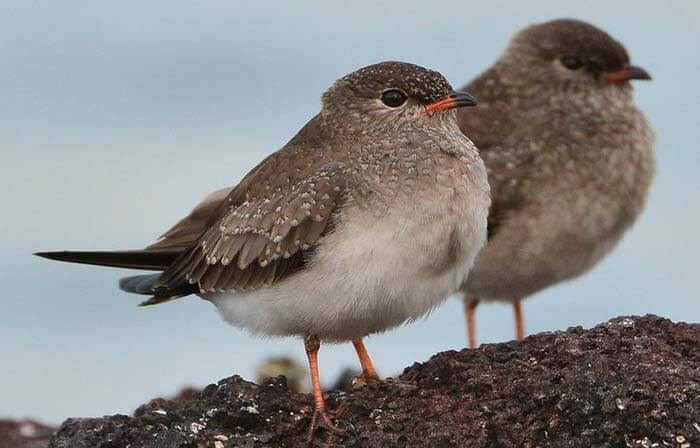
{"x":157,"y":260}
{"x":146,"y":284}
{"x":151,"y":260}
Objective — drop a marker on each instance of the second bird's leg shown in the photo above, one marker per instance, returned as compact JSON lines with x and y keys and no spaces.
{"x":320,"y":416}
{"x":368,"y":371}
{"x":519,"y":322}
{"x":470,"y":304}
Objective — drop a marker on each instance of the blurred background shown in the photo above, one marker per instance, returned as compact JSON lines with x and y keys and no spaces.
{"x":118,"y":117}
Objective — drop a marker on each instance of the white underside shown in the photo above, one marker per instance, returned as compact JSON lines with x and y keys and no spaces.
{"x":363,"y":281}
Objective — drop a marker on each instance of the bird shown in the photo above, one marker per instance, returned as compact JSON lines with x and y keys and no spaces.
{"x":368,"y":218}
{"x":570,"y":160}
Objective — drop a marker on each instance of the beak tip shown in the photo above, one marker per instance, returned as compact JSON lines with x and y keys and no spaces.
{"x":453,"y":100}
{"x":464,"y":99}
{"x":639,"y":73}
{"x":628,"y":73}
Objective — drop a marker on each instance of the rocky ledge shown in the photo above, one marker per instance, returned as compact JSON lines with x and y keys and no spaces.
{"x":631,"y":382}
{"x":25,"y":433}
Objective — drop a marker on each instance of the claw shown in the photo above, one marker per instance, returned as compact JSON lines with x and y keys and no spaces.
{"x":339,"y":411}
{"x":364,"y":379}
{"x":367,"y":378}
{"x":323,"y":418}
{"x":369,"y":374}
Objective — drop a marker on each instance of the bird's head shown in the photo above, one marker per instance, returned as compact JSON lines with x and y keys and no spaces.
{"x":394,"y":92}
{"x":572,"y":53}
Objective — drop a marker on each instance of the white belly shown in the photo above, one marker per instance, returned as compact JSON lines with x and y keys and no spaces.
{"x":363,"y":282}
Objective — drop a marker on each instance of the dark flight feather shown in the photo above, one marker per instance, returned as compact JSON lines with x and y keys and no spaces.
{"x":157,"y":260}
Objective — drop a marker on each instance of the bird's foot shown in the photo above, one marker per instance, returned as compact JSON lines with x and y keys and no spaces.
{"x":323,"y":418}
{"x":365,"y":379}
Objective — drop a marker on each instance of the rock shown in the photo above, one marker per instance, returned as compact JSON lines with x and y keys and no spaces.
{"x":297,"y":374}
{"x":631,"y":382}
{"x":24,"y":434}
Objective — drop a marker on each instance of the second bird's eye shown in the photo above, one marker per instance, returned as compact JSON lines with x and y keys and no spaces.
{"x":394,"y":97}
{"x":571,"y":62}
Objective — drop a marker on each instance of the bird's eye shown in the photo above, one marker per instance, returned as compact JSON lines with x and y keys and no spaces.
{"x":571,"y":62}
{"x":394,"y":97}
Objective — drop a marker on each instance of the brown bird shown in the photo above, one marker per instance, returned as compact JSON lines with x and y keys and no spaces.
{"x":368,"y":218}
{"x":570,"y":160}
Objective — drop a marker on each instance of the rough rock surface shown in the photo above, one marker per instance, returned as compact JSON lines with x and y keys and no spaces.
{"x":631,"y":382}
{"x":24,"y":434}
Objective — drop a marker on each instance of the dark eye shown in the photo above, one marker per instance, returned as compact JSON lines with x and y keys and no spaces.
{"x":394,"y":97}
{"x":571,"y":62}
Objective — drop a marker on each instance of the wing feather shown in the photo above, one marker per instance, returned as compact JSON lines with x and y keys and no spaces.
{"x":263,"y":239}
{"x":508,"y":157}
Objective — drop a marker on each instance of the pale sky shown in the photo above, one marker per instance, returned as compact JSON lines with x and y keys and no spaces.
{"x":117,"y":118}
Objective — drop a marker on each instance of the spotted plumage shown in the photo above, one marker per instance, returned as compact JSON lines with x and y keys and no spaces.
{"x":569,"y":156}
{"x":407,"y":187}
{"x":259,"y":241}
{"x":368,"y":218}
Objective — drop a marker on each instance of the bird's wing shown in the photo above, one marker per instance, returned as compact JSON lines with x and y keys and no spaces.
{"x":256,"y":243}
{"x":495,"y":127}
{"x":192,"y":226}
{"x":509,"y":166}
{"x":494,"y":117}
{"x":290,"y":162}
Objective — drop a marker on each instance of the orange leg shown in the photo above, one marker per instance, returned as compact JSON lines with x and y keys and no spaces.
{"x":312,"y":344}
{"x":470,"y":312}
{"x":519,"y":322}
{"x":368,"y":371}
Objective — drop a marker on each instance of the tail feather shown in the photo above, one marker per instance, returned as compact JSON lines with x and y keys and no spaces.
{"x":156,"y":260}
{"x":146,"y":284}
{"x":151,"y":260}
{"x":139,"y":284}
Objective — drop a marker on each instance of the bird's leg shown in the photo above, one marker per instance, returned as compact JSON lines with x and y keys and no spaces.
{"x":368,"y":371}
{"x":519,"y":322}
{"x":470,"y":304}
{"x":320,"y":416}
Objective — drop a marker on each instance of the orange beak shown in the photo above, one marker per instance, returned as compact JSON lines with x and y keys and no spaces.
{"x":451,"y":101}
{"x":626,"y":73}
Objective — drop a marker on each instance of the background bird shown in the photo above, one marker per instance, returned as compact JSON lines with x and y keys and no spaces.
{"x":295,"y":373}
{"x":369,"y":217}
{"x":119,"y":116}
{"x":570,"y":160}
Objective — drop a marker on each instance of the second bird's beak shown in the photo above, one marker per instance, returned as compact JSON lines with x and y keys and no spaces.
{"x":626,"y":73}
{"x":451,"y":101}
